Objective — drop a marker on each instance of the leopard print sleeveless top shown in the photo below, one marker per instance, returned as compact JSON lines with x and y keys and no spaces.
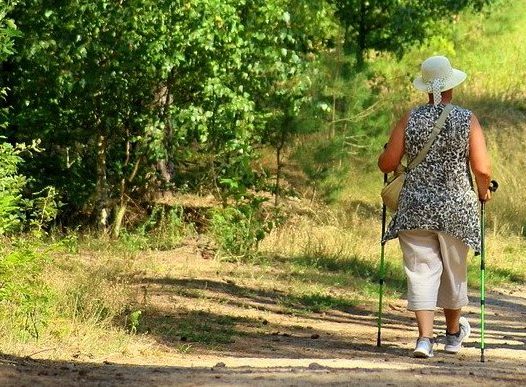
{"x":438,"y":193}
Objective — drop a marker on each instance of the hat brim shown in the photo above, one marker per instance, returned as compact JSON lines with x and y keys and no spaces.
{"x":456,"y":78}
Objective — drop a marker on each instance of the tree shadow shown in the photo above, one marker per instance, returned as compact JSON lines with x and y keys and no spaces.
{"x":274,"y":301}
{"x":224,"y":329}
{"x":233,"y":332}
{"x":361,"y":271}
{"x":240,"y":336}
{"x":228,"y":318}
{"x":183,"y":327}
{"x":177,"y":326}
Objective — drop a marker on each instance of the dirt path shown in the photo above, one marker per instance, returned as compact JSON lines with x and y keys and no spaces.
{"x":341,"y":352}
{"x":270,"y":346}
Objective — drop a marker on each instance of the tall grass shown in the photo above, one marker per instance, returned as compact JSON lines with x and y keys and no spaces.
{"x":50,"y":295}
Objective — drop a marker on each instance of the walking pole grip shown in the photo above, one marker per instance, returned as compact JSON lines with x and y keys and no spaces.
{"x":493,"y":185}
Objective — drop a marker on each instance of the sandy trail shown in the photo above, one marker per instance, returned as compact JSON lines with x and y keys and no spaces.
{"x":345,"y":353}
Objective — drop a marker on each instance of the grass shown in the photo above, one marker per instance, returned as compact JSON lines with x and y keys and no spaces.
{"x":58,"y":302}
{"x":188,"y":327}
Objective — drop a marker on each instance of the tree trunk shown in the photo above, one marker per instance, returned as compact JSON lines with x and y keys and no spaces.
{"x":124,"y":199}
{"x":362,"y":34}
{"x":347,"y":43}
{"x":278,"y":175}
{"x":101,"y":190}
{"x":120,"y":209}
{"x":279,"y":164}
{"x":119,"y":217}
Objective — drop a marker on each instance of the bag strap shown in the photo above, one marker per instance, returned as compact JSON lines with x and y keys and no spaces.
{"x":439,"y":124}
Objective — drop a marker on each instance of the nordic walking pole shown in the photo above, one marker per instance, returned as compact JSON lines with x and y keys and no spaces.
{"x":492,"y":187}
{"x":381,"y":273}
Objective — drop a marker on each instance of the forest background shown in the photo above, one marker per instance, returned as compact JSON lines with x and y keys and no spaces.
{"x":248,"y":130}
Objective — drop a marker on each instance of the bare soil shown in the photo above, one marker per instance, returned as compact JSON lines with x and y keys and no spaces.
{"x":270,"y":346}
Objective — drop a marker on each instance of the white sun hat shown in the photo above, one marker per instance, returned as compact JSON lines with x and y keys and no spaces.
{"x":438,"y":75}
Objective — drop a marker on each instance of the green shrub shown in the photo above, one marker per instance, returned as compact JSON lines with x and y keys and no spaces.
{"x":11,"y":186}
{"x":21,"y":211}
{"x":162,"y":230}
{"x":24,"y":297}
{"x":239,"y":229}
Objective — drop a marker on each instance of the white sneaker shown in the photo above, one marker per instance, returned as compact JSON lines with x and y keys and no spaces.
{"x":454,"y":342}
{"x":424,"y":348}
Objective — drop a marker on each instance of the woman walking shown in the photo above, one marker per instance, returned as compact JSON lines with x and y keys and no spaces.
{"x":438,"y":219}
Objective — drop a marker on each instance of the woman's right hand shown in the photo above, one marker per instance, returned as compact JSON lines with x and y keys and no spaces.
{"x":485,"y":197}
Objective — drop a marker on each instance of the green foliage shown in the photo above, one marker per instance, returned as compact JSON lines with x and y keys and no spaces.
{"x":16,"y":211}
{"x":164,"y":229}
{"x":24,"y":297}
{"x":133,"y":97}
{"x":239,"y":229}
{"x":11,"y":186}
{"x":350,"y":116}
{"x":125,"y":95}
{"x":134,"y":321}
{"x":392,"y":25}
{"x":8,"y":32}
{"x":99,"y":69}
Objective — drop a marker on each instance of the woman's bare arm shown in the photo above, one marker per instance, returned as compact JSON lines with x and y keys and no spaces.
{"x":479,"y":159}
{"x":394,"y":151}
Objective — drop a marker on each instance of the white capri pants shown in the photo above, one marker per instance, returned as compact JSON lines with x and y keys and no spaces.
{"x":436,"y":269}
